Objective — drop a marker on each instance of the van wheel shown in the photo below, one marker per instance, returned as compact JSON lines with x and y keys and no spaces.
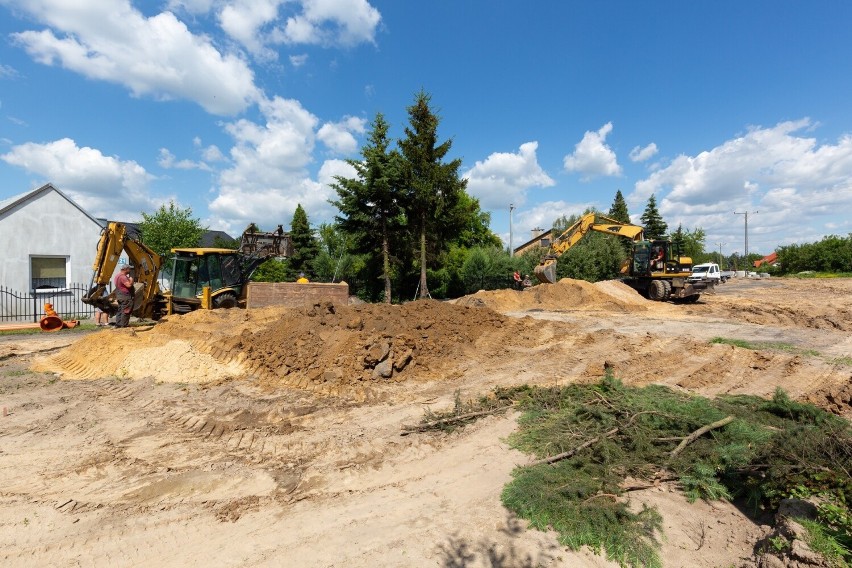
{"x":225,"y":300}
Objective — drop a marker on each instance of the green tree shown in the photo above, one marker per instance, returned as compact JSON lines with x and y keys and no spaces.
{"x":618,"y":209}
{"x":474,"y":228}
{"x":372,"y":204}
{"x":305,"y":247}
{"x":433,"y":186}
{"x":273,"y":270}
{"x":335,"y":261}
{"x":655,"y":227}
{"x":170,"y":227}
{"x":597,"y":256}
{"x":486,"y":268}
{"x":689,"y":243}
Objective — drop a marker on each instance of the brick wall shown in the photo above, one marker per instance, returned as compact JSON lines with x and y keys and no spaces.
{"x":293,"y":295}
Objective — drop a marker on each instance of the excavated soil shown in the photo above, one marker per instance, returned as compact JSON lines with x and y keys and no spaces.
{"x":271,"y":437}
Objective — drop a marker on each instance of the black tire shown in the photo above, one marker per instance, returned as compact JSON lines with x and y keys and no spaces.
{"x":225,"y":300}
{"x":657,"y":290}
{"x":667,"y":286}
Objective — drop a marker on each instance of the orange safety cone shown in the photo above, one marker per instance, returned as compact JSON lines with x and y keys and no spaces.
{"x":52,"y":322}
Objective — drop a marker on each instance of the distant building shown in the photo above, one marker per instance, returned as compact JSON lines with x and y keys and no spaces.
{"x":48,"y":241}
{"x":770,"y":259}
{"x":541,"y":240}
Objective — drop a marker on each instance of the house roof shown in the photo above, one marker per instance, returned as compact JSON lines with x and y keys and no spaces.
{"x":12,"y":202}
{"x":770,"y":258}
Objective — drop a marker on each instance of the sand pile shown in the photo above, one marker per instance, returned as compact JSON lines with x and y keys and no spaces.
{"x":325,"y":348}
{"x":567,"y":294}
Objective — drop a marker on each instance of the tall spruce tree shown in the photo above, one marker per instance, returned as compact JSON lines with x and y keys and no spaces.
{"x":432,"y":186}
{"x":655,"y":227}
{"x":305,"y":246}
{"x":371,"y":204}
{"x":618,"y":209}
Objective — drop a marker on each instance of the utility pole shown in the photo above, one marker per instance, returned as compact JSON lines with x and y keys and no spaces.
{"x":746,"y":233}
{"x":511,"y":247}
{"x":720,"y":254}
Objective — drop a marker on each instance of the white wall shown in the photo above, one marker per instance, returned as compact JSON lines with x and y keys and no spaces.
{"x":46,"y":225}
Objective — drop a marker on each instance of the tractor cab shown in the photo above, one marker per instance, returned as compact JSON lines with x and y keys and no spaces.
{"x":659,"y":257}
{"x":195,"y":269}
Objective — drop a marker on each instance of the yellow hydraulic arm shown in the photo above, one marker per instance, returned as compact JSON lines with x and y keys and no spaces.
{"x":146,"y":269}
{"x":546,"y":270}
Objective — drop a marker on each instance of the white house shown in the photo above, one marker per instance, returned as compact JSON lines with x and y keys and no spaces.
{"x":46,"y":241}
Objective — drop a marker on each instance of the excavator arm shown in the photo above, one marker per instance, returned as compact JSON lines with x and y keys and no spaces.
{"x":546,"y":270}
{"x":146,"y":269}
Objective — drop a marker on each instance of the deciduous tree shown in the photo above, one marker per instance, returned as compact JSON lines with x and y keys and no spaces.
{"x":170,"y":227}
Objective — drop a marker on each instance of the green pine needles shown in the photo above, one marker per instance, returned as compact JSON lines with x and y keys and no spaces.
{"x":587,"y":439}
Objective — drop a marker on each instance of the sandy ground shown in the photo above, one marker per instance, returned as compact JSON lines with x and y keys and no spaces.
{"x":273,"y":437}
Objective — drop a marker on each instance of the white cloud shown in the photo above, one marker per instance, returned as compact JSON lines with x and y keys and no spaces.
{"x":151,"y":56}
{"x":243,"y":19}
{"x":638,"y":154}
{"x":298,"y":60}
{"x":268,"y":176}
{"x":797,"y":185}
{"x":332,"y":22}
{"x":592,"y":157}
{"x":338,"y":136}
{"x":105,"y":186}
{"x":168,"y":161}
{"x":541,"y":217}
{"x":504,"y":178}
{"x":7,"y":72}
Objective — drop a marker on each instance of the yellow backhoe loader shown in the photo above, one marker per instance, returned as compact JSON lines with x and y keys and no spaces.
{"x":201,"y":278}
{"x":655,"y":269}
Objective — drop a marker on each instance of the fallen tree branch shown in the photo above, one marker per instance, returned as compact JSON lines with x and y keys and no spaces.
{"x":569,"y":453}
{"x":700,"y":432}
{"x":449,"y":420}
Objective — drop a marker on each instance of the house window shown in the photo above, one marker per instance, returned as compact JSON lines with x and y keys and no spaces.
{"x":545,"y":243}
{"x":48,"y":272}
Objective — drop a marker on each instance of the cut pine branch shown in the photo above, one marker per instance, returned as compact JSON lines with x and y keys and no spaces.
{"x":569,"y":453}
{"x":426,"y":426}
{"x":700,"y":432}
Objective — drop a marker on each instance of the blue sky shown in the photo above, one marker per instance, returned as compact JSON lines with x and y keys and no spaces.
{"x":242,"y":109}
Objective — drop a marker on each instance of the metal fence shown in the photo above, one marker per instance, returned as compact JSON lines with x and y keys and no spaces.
{"x":16,"y":306}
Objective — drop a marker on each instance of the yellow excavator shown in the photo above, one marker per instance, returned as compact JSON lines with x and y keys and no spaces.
{"x":201,"y":278}
{"x":655,"y":269}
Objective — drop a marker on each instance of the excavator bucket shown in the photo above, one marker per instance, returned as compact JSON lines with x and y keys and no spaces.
{"x":546,"y":271}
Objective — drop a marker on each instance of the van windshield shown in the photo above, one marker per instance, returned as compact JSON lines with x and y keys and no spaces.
{"x":700,"y":269}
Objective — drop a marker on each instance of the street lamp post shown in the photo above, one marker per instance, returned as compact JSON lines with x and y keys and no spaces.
{"x":511,"y":247}
{"x":746,"y":233}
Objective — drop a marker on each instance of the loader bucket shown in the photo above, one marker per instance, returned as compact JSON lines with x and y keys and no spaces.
{"x":546,"y":271}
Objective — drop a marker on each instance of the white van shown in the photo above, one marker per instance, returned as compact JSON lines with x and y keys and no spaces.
{"x":706,"y":271}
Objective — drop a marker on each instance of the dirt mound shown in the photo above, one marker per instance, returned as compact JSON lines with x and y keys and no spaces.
{"x":836,"y":399}
{"x":325,"y":348}
{"x":567,"y":294}
{"x":338,"y":349}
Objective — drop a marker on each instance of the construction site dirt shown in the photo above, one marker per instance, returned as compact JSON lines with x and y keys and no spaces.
{"x":272,"y":437}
